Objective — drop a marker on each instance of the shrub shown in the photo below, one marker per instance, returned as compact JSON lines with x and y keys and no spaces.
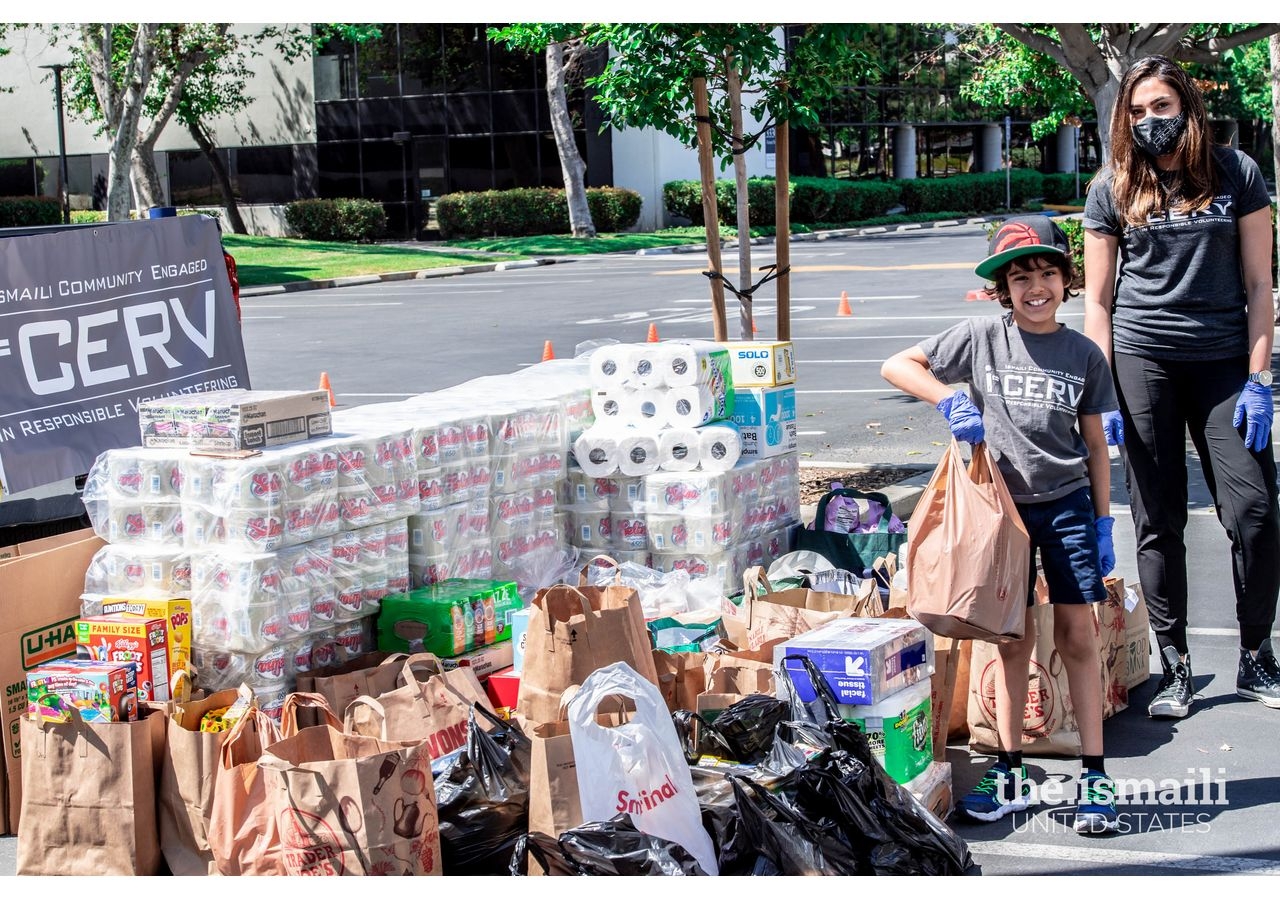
{"x":1060,"y":187}
{"x":973,"y":193}
{"x":813,"y":200}
{"x":349,"y":220}
{"x":23,"y":212}
{"x":88,"y":216}
{"x":528,"y":211}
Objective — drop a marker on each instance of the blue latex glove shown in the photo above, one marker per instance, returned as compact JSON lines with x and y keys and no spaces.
{"x":1106,"y":546}
{"x":1254,"y":406}
{"x":1113,"y":427}
{"x":964,"y":418}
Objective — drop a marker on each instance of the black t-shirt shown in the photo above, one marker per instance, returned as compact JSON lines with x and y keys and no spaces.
{"x":1180,"y":290}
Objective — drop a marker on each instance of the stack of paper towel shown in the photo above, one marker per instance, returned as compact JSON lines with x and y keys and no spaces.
{"x":659,"y":406}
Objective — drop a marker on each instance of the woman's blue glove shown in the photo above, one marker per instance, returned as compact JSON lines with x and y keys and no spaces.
{"x":1113,"y":427}
{"x":1254,"y":406}
{"x":1106,"y":546}
{"x":964,"y":418}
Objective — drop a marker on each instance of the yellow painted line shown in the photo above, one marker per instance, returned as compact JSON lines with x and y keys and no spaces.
{"x":917,"y":267}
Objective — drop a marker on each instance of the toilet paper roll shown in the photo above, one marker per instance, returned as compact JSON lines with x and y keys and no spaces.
{"x":678,"y":449}
{"x":689,"y":407}
{"x":611,"y":366}
{"x":638,"y":453}
{"x":596,"y":451}
{"x":719,"y":447}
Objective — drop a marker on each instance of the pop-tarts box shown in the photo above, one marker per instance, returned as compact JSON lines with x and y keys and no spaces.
{"x":519,"y":630}
{"x":761,"y":363}
{"x":766,"y":420}
{"x":864,"y":661}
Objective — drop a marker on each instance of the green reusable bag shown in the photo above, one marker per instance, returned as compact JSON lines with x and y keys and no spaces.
{"x":855,"y":552}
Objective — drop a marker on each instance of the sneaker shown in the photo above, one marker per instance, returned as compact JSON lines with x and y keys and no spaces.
{"x":1173,"y":696}
{"x":1096,"y":804}
{"x":1259,"y":678}
{"x":999,"y":793}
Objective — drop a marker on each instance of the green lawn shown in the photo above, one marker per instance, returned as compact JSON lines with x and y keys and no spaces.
{"x":268,"y":260}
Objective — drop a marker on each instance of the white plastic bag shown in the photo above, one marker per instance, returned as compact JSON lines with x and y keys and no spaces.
{"x":637,"y":768}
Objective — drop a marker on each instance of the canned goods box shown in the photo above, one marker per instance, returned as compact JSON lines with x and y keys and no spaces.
{"x":863,"y":661}
{"x":234,"y":420}
{"x":899,"y":730}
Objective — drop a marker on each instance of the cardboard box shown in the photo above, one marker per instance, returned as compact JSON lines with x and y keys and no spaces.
{"x":485,"y":661}
{"x":503,"y":687}
{"x":176,"y":612}
{"x":519,"y":629}
{"x":102,"y":692}
{"x":899,"y":730}
{"x":863,"y":660}
{"x":234,"y":420}
{"x":41,"y":583}
{"x":761,"y":363}
{"x":766,"y":420}
{"x":126,"y":638}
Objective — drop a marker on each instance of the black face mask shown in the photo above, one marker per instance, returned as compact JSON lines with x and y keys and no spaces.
{"x":1157,"y":135}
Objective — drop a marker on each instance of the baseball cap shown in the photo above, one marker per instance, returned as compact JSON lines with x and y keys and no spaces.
{"x":1022,"y":236}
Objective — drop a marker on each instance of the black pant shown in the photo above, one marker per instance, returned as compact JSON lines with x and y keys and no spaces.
{"x":1160,"y":402}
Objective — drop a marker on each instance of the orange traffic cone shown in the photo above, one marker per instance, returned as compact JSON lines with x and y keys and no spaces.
{"x":844,"y":309}
{"x":547,"y":352}
{"x":754,"y":328}
{"x":324,"y":386}
{"x":653,"y":334}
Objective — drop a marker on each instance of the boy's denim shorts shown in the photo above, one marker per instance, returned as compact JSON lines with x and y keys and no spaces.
{"x":1063,"y":531}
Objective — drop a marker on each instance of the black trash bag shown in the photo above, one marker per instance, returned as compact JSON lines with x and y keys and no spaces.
{"x":615,"y":847}
{"x":697,"y":738}
{"x":482,"y":792}
{"x":794,"y":744}
{"x":783,"y":839}
{"x":748,"y":726}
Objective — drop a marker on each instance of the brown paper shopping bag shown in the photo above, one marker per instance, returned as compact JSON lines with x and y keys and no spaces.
{"x":242,"y":835}
{"x":348,"y":804}
{"x":681,"y":677}
{"x":572,"y":632}
{"x":767,"y":615}
{"x":431,"y":705}
{"x":89,"y":796}
{"x":368,"y":675}
{"x":187,"y":779}
{"x":969,"y":555}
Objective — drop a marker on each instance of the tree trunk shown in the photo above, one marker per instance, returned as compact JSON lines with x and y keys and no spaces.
{"x":734,"y":83}
{"x":205,"y":143}
{"x":1274,"y":43}
{"x":571,"y":165}
{"x":146,"y":177}
{"x":120,"y":113}
{"x":1104,"y":104}
{"x":782,"y":233}
{"x":710,"y":212}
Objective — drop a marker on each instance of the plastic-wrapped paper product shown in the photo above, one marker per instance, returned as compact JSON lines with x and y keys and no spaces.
{"x":139,"y":570}
{"x":597,"y":450}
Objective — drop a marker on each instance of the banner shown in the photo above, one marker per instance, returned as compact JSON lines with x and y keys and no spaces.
{"x":95,"y":320}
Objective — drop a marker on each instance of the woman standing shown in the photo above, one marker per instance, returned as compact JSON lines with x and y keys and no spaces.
{"x":1185,"y":314}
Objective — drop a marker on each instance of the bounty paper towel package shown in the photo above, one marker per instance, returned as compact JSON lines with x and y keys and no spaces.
{"x":766,"y":420}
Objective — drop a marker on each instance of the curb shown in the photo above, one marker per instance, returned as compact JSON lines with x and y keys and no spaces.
{"x":813,"y":236}
{"x":414,"y":274}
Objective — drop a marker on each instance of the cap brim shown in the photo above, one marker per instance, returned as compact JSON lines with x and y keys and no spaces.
{"x":989,"y":266}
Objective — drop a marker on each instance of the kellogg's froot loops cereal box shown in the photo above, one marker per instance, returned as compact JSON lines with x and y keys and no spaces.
{"x":124,"y":638}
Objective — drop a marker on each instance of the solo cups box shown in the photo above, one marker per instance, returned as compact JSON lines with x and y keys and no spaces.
{"x":863,"y":660}
{"x":175,"y":611}
{"x":124,"y":638}
{"x":101,"y":692}
{"x":234,"y":420}
{"x":762,"y":363}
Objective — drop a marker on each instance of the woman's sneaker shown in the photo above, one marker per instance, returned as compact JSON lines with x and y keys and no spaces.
{"x":999,"y":793}
{"x":1173,"y":695}
{"x":1096,"y":804}
{"x":1259,"y":677}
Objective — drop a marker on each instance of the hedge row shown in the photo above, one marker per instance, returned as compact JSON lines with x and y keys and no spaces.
{"x":830,"y":200}
{"x":23,"y":212}
{"x":348,"y":220}
{"x":529,"y":211}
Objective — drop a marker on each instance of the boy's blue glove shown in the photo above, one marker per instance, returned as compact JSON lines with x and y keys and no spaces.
{"x":964,"y":418}
{"x":1254,"y":405}
{"x":1113,"y":427}
{"x":1106,"y":546}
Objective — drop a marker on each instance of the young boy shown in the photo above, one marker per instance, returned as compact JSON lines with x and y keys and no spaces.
{"x":1037,"y":390}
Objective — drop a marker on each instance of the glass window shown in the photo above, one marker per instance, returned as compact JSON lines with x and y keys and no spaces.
{"x":17,"y":178}
{"x":384,"y":170}
{"x":79,"y":180}
{"x":550,"y":173}
{"x":425,"y":115}
{"x":512,"y":70}
{"x":470,"y":164}
{"x":263,"y":174}
{"x":517,"y":111}
{"x":378,"y":64}
{"x":421,"y":59}
{"x":428,"y":160}
{"x":337,"y":121}
{"x":466,"y":53}
{"x":339,"y":170}
{"x":516,"y":161}
{"x":380,"y":118}
{"x":334,"y":68}
{"x":191,"y":178}
{"x":469,"y":114}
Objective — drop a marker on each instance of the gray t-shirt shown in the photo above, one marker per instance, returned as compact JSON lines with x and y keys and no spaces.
{"x":1180,"y":293}
{"x":1031,"y":389}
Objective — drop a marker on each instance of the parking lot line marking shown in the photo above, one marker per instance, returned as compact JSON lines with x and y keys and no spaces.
{"x":309,"y":306}
{"x":1103,"y":857}
{"x":810,"y":432}
{"x":345,"y":394}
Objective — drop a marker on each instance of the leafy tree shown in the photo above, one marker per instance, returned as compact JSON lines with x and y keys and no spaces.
{"x":564,"y":45}
{"x":1098,"y":55}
